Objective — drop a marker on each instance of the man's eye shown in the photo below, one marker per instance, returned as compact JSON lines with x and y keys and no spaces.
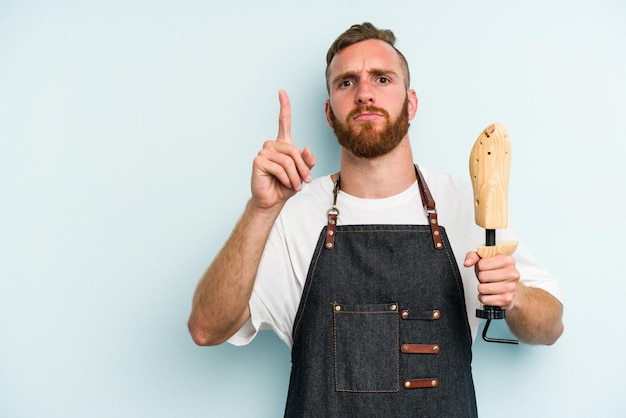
{"x":346,"y":83}
{"x":383,"y":80}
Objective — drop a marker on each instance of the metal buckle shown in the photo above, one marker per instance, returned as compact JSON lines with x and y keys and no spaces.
{"x":333,"y":211}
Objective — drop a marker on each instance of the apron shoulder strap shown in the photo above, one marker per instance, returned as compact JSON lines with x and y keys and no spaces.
{"x":429,"y":208}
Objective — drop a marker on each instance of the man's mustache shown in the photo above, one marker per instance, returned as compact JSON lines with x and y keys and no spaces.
{"x":366,"y":108}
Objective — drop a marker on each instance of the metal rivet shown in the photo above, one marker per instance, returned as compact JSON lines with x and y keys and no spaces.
{"x":407,"y":384}
{"x":332,"y":222}
{"x":329,"y":245}
{"x":436,"y":232}
{"x":337,"y":308}
{"x":404,"y":348}
{"x":436,"y":349}
{"x":433,"y":221}
{"x":394,"y":307}
{"x":330,"y":232}
{"x":405,"y":315}
{"x":439,"y":245}
{"x":436,"y":314}
{"x":433,"y":383}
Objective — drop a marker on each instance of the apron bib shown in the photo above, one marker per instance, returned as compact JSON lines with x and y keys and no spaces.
{"x":382,"y":327}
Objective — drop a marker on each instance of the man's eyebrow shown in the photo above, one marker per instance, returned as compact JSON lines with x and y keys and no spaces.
{"x":344,"y":75}
{"x":353,"y":74}
{"x":383,"y":71}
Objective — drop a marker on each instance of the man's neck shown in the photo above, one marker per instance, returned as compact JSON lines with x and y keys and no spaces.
{"x":379,"y":177}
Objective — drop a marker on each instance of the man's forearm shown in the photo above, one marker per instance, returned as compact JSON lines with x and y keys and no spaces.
{"x":220,"y":303}
{"x":536,"y":316}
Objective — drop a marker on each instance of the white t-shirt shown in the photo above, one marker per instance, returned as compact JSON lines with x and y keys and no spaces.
{"x":290,"y":247}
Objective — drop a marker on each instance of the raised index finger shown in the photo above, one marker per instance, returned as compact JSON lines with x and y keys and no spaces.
{"x":284,"y":117}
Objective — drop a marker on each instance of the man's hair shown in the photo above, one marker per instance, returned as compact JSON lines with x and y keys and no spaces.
{"x":360,"y":33}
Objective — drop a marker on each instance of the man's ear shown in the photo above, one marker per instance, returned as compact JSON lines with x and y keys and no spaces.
{"x":412,"y":97}
{"x":328,"y":111}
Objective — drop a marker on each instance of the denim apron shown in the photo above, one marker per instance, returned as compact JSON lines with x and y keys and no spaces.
{"x":382,"y":327}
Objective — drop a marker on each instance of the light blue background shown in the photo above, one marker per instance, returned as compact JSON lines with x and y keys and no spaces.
{"x":127,"y":131}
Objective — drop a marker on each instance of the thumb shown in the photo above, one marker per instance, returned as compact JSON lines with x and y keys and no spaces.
{"x":471,"y":258}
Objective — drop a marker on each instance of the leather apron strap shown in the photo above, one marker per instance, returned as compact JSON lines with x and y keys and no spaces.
{"x":428,"y":202}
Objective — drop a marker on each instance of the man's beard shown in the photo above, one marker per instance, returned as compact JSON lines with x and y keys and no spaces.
{"x":368,"y":142}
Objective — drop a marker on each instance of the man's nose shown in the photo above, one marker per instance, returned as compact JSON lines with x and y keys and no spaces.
{"x":365,"y":94}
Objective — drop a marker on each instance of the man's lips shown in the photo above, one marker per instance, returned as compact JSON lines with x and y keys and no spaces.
{"x":366,"y":116}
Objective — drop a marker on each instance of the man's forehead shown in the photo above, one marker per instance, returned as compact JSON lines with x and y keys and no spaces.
{"x":370,"y":55}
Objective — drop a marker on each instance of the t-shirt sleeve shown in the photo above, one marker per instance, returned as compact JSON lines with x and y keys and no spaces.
{"x":253,"y":325}
{"x":275,"y":296}
{"x":533,"y":274}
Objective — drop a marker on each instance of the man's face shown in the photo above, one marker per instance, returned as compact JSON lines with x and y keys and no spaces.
{"x":369,"y":107}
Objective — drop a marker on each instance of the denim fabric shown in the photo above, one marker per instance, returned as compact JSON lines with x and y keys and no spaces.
{"x":346,"y":356}
{"x":372,"y":364}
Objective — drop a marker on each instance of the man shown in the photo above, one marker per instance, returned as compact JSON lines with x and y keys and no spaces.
{"x":375,"y":305}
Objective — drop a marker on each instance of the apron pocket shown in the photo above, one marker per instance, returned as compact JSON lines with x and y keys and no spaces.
{"x":366,"y":347}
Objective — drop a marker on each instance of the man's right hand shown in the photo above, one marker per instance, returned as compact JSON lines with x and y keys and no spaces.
{"x":280,"y":167}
